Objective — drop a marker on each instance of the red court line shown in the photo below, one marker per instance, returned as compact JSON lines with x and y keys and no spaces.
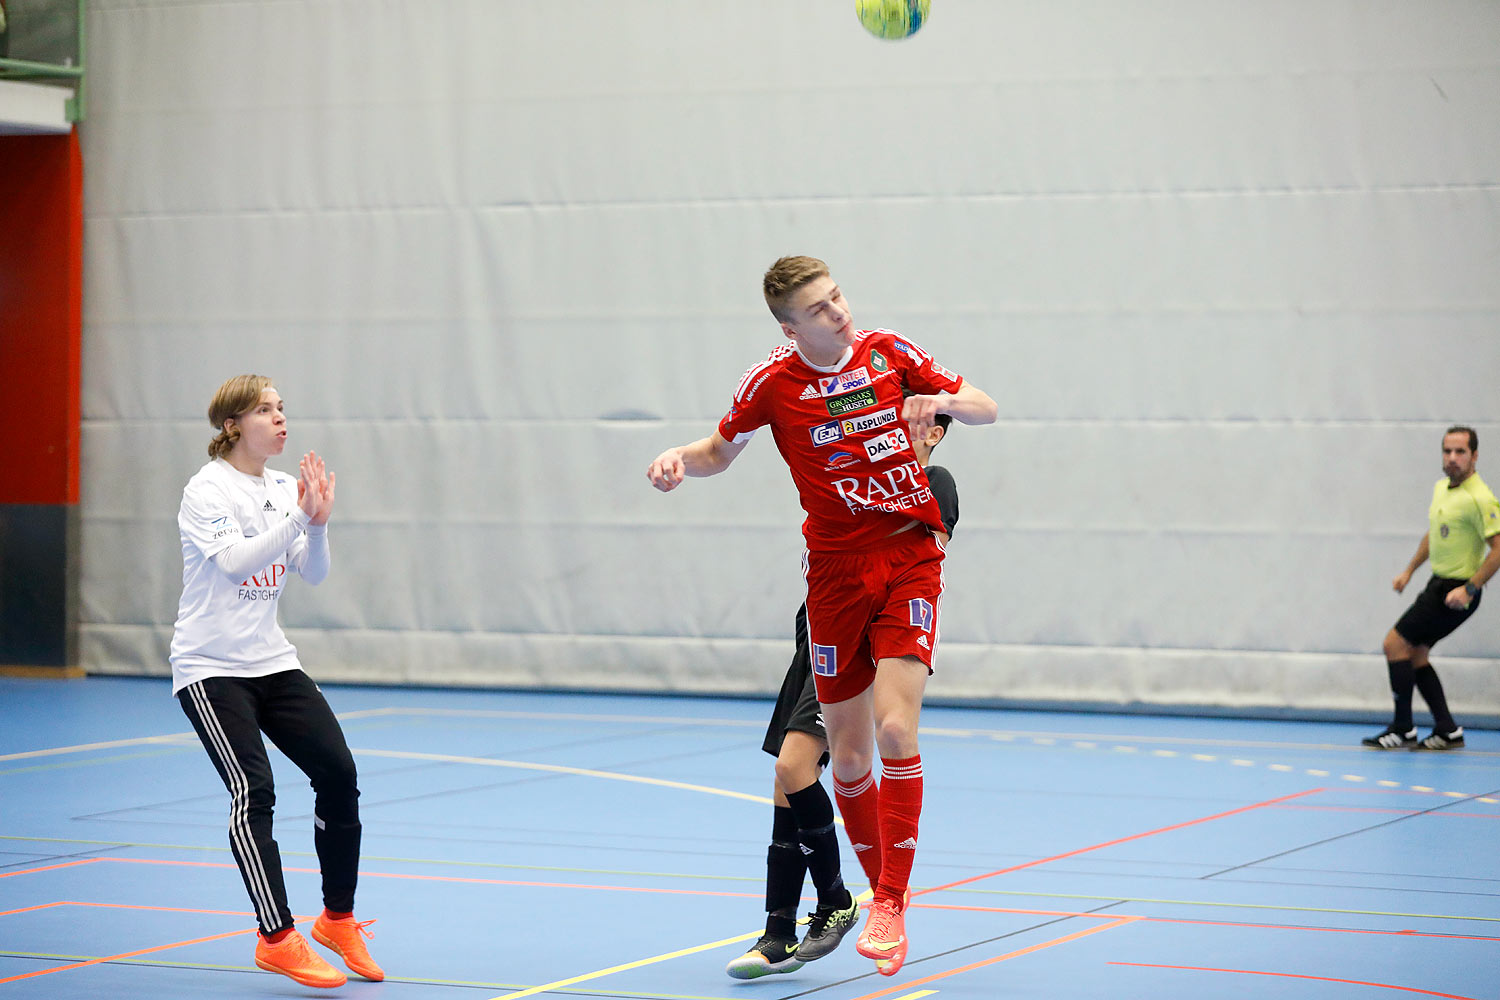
{"x":1293,"y":975}
{"x":1123,"y":840}
{"x":49,"y":868}
{"x":128,"y":954}
{"x":1117,"y":922}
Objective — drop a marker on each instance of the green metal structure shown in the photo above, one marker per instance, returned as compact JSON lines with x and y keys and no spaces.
{"x":22,"y":18}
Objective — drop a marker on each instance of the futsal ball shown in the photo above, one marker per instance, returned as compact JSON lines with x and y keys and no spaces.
{"x":892,"y":19}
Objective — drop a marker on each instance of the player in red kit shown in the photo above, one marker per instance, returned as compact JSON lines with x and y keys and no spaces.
{"x":833,"y":398}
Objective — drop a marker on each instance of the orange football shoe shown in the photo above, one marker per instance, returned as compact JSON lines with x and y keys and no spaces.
{"x":345,"y":936}
{"x":884,"y":937}
{"x":295,"y":960}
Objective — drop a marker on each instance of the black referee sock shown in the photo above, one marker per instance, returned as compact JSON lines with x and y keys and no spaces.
{"x":1402,"y":683}
{"x":785,"y":870}
{"x":1432,"y":692}
{"x":815,"y":830}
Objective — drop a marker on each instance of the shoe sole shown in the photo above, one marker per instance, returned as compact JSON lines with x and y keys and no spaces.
{"x":316,"y":984}
{"x":751,"y":970}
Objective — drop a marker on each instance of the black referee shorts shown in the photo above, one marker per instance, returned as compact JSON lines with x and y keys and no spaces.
{"x":1429,"y":619}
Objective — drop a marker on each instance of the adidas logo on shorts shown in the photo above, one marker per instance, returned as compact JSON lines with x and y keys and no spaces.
{"x":922,"y":641}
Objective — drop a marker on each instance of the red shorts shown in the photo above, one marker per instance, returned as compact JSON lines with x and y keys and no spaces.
{"x":864,"y":607}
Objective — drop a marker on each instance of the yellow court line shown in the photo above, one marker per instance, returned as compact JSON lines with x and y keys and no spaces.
{"x":916,"y":995}
{"x":626,"y":967}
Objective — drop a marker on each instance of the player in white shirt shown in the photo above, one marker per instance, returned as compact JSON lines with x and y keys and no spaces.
{"x":244,"y":528}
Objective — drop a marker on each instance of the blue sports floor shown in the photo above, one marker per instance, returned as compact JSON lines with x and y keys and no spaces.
{"x":587,"y":846}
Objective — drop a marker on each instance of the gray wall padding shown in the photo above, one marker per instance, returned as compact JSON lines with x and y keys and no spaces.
{"x":1229,"y":270}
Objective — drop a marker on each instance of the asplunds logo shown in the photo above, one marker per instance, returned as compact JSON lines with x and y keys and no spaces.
{"x":842,"y":382}
{"x":835,"y":430}
{"x":890,"y":443}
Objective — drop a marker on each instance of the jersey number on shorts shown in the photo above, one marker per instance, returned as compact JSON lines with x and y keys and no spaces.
{"x":825,"y":660}
{"x":921,"y":614}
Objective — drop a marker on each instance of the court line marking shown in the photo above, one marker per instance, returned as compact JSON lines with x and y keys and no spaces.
{"x":1294,"y":975}
{"x":127,"y":954}
{"x":133,"y":906}
{"x":1065,"y":939}
{"x":585,"y":977}
{"x":1124,"y":840}
{"x":1090,"y":741}
{"x":862,"y":897}
{"x":523,"y":765}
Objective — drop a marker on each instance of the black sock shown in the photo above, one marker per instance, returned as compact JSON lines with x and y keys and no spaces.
{"x":1432,"y":692}
{"x":1402,"y":682}
{"x":785,"y":870}
{"x":820,"y":842}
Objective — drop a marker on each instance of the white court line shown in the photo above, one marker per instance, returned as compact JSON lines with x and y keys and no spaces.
{"x":523,"y":765}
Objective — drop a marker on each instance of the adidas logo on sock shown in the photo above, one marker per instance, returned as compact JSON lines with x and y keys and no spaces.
{"x":268,"y":506}
{"x":910,"y":843}
{"x":861,"y":847}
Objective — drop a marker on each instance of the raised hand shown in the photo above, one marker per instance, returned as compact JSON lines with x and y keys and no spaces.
{"x":315,"y":489}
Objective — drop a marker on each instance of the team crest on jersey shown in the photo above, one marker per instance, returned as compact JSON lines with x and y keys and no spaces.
{"x":842,"y":382}
{"x":840,"y":405}
{"x":809,"y":391}
{"x":878,"y":362}
{"x":827,"y":433}
{"x":869,"y":421}
{"x":825,"y":660}
{"x":892,"y":442}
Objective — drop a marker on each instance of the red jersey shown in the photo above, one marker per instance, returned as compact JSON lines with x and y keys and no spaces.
{"x":842,"y":436}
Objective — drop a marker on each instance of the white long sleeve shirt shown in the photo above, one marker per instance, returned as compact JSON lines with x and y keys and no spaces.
{"x":241,"y":534}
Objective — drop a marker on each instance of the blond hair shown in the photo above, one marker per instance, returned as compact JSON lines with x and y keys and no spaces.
{"x":786,"y":276}
{"x":234,"y":397}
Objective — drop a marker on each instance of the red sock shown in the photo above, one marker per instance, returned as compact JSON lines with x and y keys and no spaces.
{"x":859,"y":804}
{"x":279,"y":936}
{"x":332,"y":915}
{"x":900,"y":810}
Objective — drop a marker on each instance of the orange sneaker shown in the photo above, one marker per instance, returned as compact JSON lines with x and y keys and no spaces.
{"x":345,"y":937}
{"x":884,"y":937}
{"x":295,"y":960}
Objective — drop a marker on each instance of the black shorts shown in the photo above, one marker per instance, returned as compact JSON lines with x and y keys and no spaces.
{"x":797,"y":707}
{"x":1429,"y":619}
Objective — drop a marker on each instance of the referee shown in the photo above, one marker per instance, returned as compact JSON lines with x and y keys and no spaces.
{"x":1463,"y":519}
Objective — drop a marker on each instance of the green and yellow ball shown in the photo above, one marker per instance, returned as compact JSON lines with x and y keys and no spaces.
{"x":892,"y":19}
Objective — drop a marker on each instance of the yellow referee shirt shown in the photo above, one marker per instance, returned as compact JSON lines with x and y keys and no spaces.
{"x":1461,"y":518}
